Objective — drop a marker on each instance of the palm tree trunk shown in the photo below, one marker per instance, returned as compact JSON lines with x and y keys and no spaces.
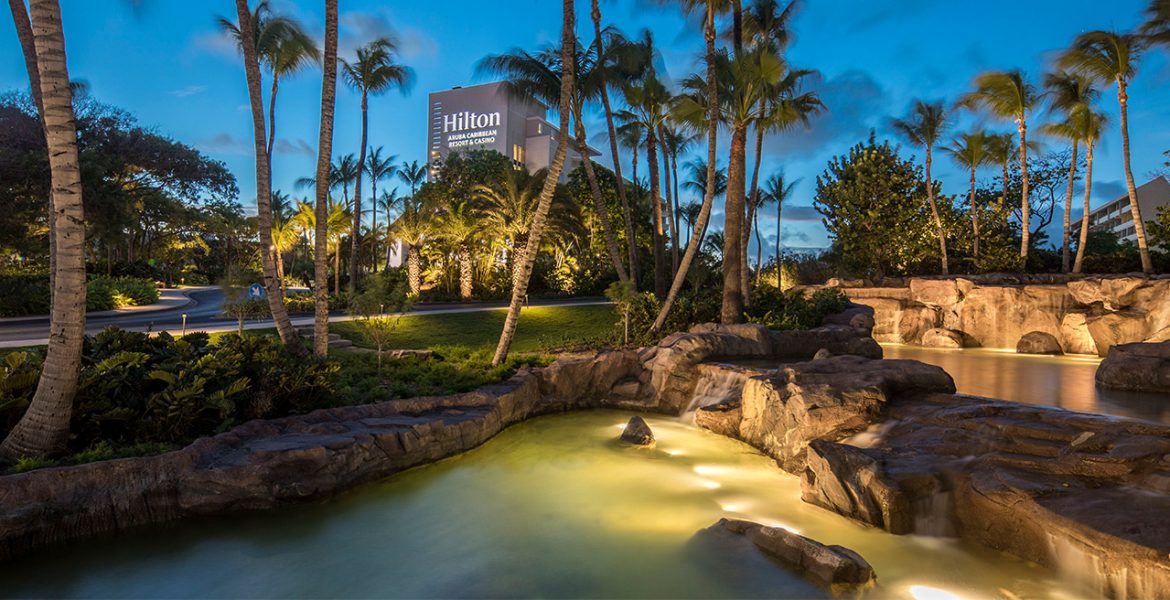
{"x":465,"y":282}
{"x":974,"y":215}
{"x":1003,"y":195}
{"x":413,"y":270}
{"x":709,"y":193}
{"x":779,"y":210}
{"x":284,"y":327}
{"x":1084,"y":237}
{"x":733,"y":304}
{"x":355,"y":237}
{"x":1139,"y":226}
{"x":751,"y":212}
{"x":337,"y":267}
{"x":759,"y":252}
{"x":660,"y":267}
{"x":519,"y":291}
{"x":611,"y":244}
{"x":272,"y":116}
{"x":1065,"y":259}
{"x":44,"y":427}
{"x":942,"y":235}
{"x":321,"y":208}
{"x":674,"y":180}
{"x":1025,"y":207}
{"x":374,"y":225}
{"x":627,"y":213}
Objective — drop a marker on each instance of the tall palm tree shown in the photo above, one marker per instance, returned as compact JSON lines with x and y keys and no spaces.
{"x":461,"y":225}
{"x":1086,"y":125}
{"x":414,"y":224}
{"x":335,"y":225}
{"x":280,"y":318}
{"x":373,"y":71}
{"x":44,"y":427}
{"x":344,"y":172}
{"x":970,"y":151}
{"x":568,"y":52}
{"x":389,"y":202}
{"x":676,"y":138}
{"x":710,"y":9}
{"x":1008,"y":95}
{"x":412,"y":174}
{"x":1069,"y":94}
{"x":689,"y":213}
{"x":923,"y":127}
{"x":647,"y":100}
{"x":378,"y":168}
{"x":779,"y":189}
{"x":1112,"y":58}
{"x":320,"y":210}
{"x":1157,"y":26}
{"x":283,"y":48}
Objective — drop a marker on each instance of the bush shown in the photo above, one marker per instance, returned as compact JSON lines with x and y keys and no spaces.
{"x":24,"y":294}
{"x":793,"y":310}
{"x":452,"y":370}
{"x":107,"y":293}
{"x":135,"y":389}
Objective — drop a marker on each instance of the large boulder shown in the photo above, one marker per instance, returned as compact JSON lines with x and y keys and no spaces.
{"x":1074,"y":334}
{"x":1136,"y":367}
{"x":1038,"y":342}
{"x":936,"y":293}
{"x":637,"y":432}
{"x":1111,"y":329}
{"x":857,"y":316}
{"x":942,"y":338}
{"x":830,"y":566}
{"x":849,"y":481}
{"x":1113,"y":293}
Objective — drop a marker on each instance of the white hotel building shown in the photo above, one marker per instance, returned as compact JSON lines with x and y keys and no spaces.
{"x":1117,"y":217}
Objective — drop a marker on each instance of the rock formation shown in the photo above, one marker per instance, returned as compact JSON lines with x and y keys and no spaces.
{"x":1038,"y":342}
{"x":1137,"y":368}
{"x":831,"y":567}
{"x":1086,"y":315}
{"x":637,"y":432}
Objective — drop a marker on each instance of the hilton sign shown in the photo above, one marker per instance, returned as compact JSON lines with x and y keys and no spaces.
{"x":466,"y":120}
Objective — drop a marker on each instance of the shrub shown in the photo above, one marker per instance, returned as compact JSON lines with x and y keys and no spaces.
{"x":24,"y":294}
{"x":106,"y":293}
{"x":793,"y":310}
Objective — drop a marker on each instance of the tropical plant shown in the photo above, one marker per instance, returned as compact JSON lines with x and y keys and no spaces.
{"x":1109,"y":58}
{"x":378,"y":168}
{"x":1073,"y":97}
{"x":924,"y":127}
{"x":461,"y":224}
{"x":413,"y":225}
{"x":412,"y":174}
{"x":1008,"y":95}
{"x":373,"y":71}
{"x":321,"y":197}
{"x":778,"y":189}
{"x":971,"y":151}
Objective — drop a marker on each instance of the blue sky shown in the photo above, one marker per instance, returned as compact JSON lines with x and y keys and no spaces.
{"x":166,"y":62}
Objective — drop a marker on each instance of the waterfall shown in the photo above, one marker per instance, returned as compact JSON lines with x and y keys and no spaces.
{"x":934,"y":515}
{"x":716,"y":383}
{"x":1077,"y":563}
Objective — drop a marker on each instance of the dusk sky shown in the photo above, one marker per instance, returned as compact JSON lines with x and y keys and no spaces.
{"x":167,"y":63}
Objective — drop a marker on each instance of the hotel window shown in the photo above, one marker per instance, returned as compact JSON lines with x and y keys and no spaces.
{"x":518,"y":153}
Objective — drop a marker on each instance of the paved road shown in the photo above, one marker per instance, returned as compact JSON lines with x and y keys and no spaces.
{"x":204,"y":313}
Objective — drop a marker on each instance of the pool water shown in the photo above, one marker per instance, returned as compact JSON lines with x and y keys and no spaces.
{"x":1062,"y":381}
{"x":550,"y":508}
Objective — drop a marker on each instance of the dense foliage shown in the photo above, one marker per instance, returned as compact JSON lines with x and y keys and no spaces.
{"x":23,"y":293}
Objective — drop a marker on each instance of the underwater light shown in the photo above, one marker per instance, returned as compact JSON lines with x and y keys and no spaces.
{"x":925,"y":592}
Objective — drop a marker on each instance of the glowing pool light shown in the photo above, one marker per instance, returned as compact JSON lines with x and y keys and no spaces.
{"x":925,"y":592}
{"x":674,"y":452}
{"x":730,"y":507}
{"x":709,"y":470}
{"x":711,"y":485}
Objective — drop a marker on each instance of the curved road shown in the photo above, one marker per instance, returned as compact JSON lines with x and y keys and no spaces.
{"x":203,"y":312}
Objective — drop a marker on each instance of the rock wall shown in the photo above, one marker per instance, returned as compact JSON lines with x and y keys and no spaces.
{"x":1087,"y":315}
{"x":889,"y":444}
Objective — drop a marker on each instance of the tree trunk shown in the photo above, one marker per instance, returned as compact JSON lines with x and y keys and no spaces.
{"x":974,"y":215}
{"x":627,"y":213}
{"x":611,"y":244}
{"x":465,"y":282}
{"x":355,"y":237}
{"x":942,"y":234}
{"x":44,"y":428}
{"x":568,"y":52}
{"x":413,"y":269}
{"x":660,"y":266}
{"x":753,"y":200}
{"x":709,"y":193}
{"x":779,"y":210}
{"x":1139,"y":226}
{"x":759,"y":251}
{"x":1084,"y":237}
{"x":337,"y":267}
{"x":284,"y":327}
{"x":374,"y":225}
{"x":272,"y":116}
{"x":674,"y":180}
{"x":671,"y":221}
{"x":733,"y":304}
{"x":1025,"y":207}
{"x":1065,"y":259}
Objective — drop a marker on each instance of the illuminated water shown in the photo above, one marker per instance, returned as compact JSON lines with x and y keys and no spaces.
{"x":1061,"y":381}
{"x":549,"y":508}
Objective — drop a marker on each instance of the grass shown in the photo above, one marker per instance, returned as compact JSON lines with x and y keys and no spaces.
{"x":542,"y":329}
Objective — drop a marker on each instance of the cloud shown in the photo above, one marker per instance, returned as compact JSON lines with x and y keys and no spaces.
{"x":300,"y":146}
{"x":871,"y":15}
{"x":360,"y":27}
{"x":219,"y":43}
{"x":224,"y":143}
{"x":801,"y":214}
{"x":190,"y":90}
{"x":855,"y":103}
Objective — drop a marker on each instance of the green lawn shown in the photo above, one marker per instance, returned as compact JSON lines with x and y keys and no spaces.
{"x":541,"y":329}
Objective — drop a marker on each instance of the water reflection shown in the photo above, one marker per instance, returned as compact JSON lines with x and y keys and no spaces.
{"x":551,"y":508}
{"x":1062,"y":381}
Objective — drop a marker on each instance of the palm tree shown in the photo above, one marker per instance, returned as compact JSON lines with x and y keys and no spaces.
{"x":378,"y":168}
{"x":344,"y":172}
{"x":320,"y":209}
{"x":336,"y":223}
{"x":647,"y":101}
{"x":280,"y":318}
{"x":372,"y":72}
{"x":389,"y":201}
{"x":778,"y":189}
{"x":44,"y":427}
{"x":710,"y":8}
{"x":412,"y":227}
{"x":1008,"y":95}
{"x":283,"y":47}
{"x":1069,"y":94}
{"x":461,"y":225}
{"x":1157,"y":27}
{"x":689,"y":213}
{"x":568,"y":52}
{"x":286,"y":230}
{"x":412,"y":174}
{"x":1112,"y":58}
{"x":924,"y":127}
{"x":676,"y":138}
{"x":1086,"y":125}
{"x":971,"y":151}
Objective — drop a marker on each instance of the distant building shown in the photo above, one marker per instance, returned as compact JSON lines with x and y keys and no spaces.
{"x":488,"y":117}
{"x":1117,"y":217}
